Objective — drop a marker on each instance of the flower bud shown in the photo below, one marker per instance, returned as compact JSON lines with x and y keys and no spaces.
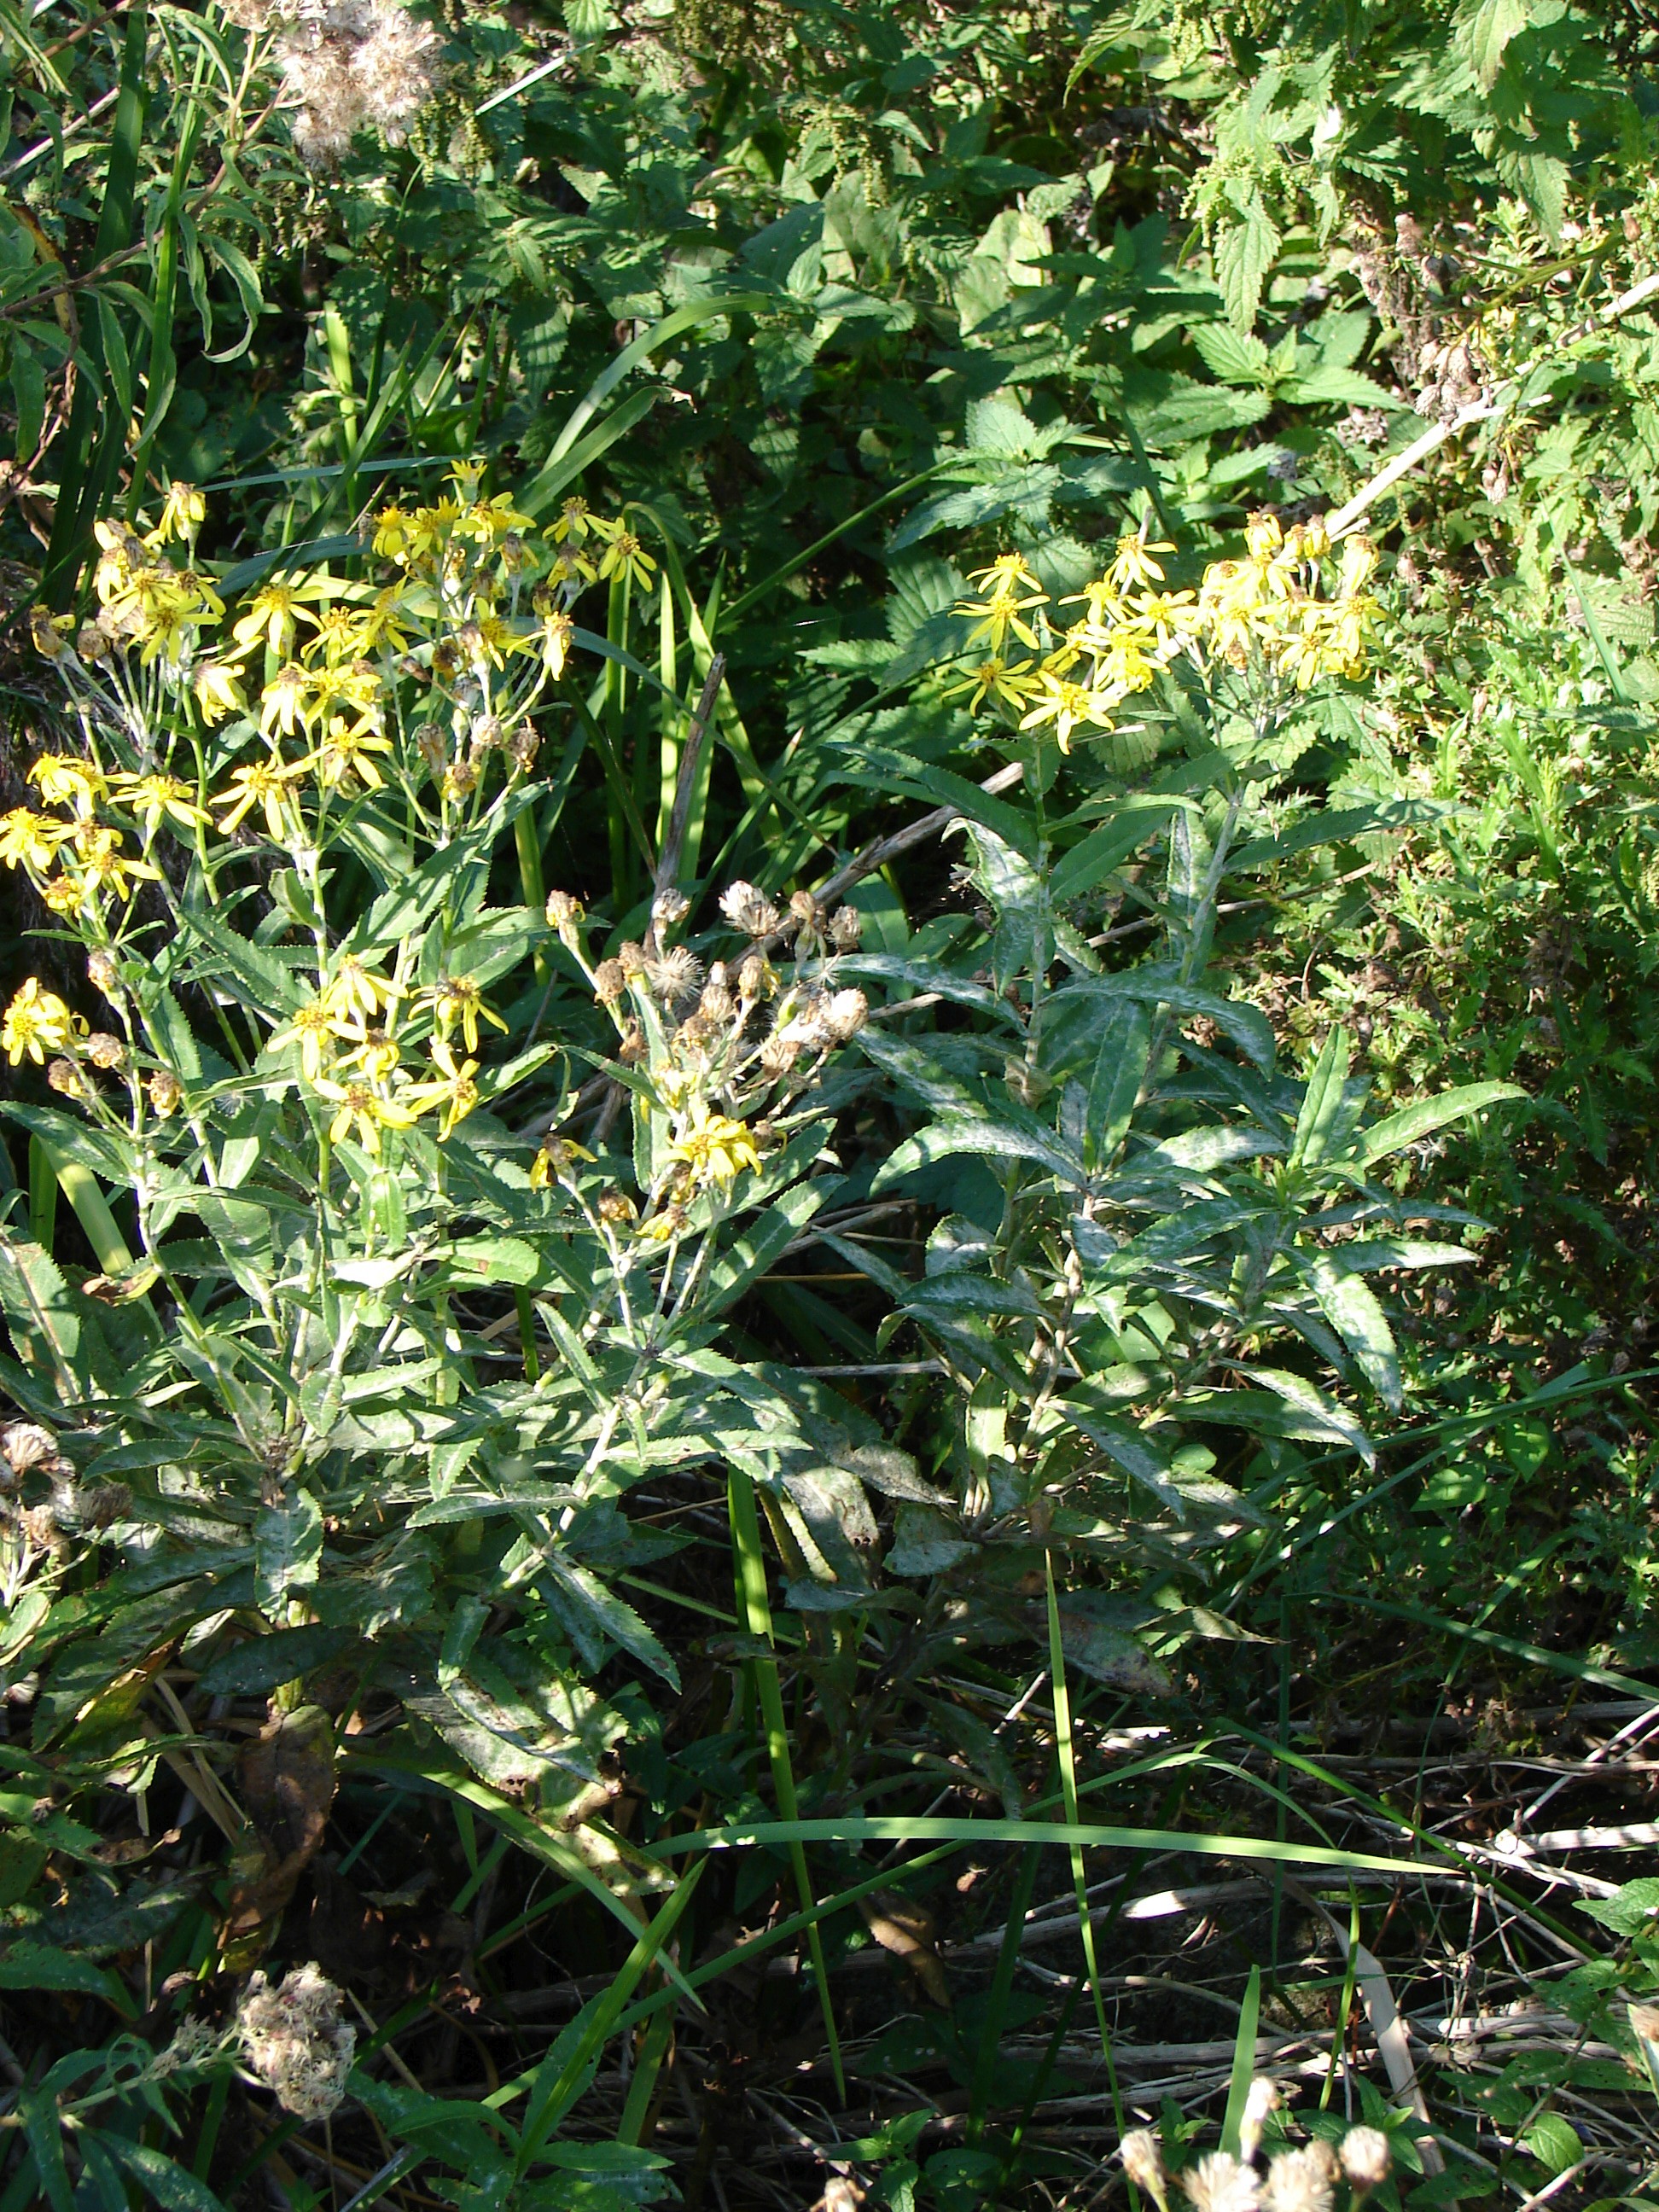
{"x":105,"y":971}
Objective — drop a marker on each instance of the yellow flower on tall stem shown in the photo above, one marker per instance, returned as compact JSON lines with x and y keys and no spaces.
{"x":64,"y":780}
{"x":104,"y":863}
{"x":458,"y":999}
{"x":362,"y":1109}
{"x":33,"y":838}
{"x":315,"y":1027}
{"x":267,"y":785}
{"x":152,"y":798}
{"x":457,"y":1092}
{"x":716,"y":1148}
{"x":36,"y":1021}
{"x":349,"y":751}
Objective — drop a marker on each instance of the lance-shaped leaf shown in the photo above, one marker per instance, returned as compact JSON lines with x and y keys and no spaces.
{"x":1412,"y":1123}
{"x":1351,"y":1306}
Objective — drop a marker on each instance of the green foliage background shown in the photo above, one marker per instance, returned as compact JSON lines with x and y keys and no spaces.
{"x":841,"y":302}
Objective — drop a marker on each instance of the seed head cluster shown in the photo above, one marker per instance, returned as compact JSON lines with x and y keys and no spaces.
{"x":1299,"y":2178}
{"x":293,"y":2038}
{"x":348,"y":65}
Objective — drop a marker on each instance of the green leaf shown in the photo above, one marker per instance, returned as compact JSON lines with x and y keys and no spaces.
{"x":42,"y":1966}
{"x":1484,"y":29}
{"x":1412,"y":1123}
{"x":288,"y":1548}
{"x":261,"y":1663}
{"x":1351,"y":1306}
{"x":1235,"y":356}
{"x":162,"y":2179}
{"x":1245,"y":253}
{"x":1325,"y":1123}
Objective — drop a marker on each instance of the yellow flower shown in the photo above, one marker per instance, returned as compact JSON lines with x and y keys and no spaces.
{"x":353,"y":990}
{"x":314,"y":1028}
{"x":625,"y":557}
{"x":349,"y":749}
{"x":34,"y":838}
{"x":364,"y":1108}
{"x":183,"y":512}
{"x":383,"y":623}
{"x":556,"y":630}
{"x":1263,"y":534}
{"x":284,"y":702}
{"x":64,"y":781}
{"x":150,"y":797}
{"x":218,"y":692}
{"x":36,"y":1021}
{"x":1066,"y":704}
{"x":264,"y":785}
{"x":573,"y":523}
{"x":553,"y":1162}
{"x":714,"y":1146}
{"x":457,"y":1092}
{"x":271,"y":614}
{"x":104,"y":865}
{"x":458,"y":998}
{"x":61,"y":896}
{"x":466,"y":476}
{"x":1132,"y":562}
{"x":375,"y":1051}
{"x":1358,"y":561}
{"x":392,"y":532}
{"x":994,"y":679}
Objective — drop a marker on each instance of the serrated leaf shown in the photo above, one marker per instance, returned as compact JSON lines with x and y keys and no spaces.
{"x":1351,"y":1306}
{"x":1245,"y":253}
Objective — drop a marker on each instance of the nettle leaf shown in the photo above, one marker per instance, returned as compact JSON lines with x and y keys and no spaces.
{"x":1245,"y":250}
{"x":1235,"y":356}
{"x":288,"y":1548}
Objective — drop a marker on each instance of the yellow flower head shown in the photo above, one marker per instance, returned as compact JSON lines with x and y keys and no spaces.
{"x":348,"y":752}
{"x":362,"y":1109}
{"x":152,"y":797}
{"x":183,"y":512}
{"x":714,"y":1147}
{"x":456,"y":1092}
{"x":1132,"y":562}
{"x":354,"y":990}
{"x":104,"y":866}
{"x":62,"y":780}
{"x":314,"y":1027}
{"x":266,"y":784}
{"x":32,"y":838}
{"x":36,"y":1021}
{"x":218,"y":692}
{"x":458,"y":999}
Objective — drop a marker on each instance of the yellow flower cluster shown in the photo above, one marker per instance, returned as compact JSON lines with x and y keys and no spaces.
{"x":418,"y":686}
{"x":1270,"y":610}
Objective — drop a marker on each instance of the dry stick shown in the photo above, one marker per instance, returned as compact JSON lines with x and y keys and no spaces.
{"x":876,"y":856}
{"x":1479,"y":410}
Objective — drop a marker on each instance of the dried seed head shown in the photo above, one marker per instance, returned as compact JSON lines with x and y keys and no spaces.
{"x":755,"y":978}
{"x":630,"y":956}
{"x":1219,"y":2183}
{"x":524,"y":745}
{"x":608,"y":982}
{"x":845,"y":1014}
{"x":804,"y":908}
{"x":460,"y":780}
{"x":779,"y":1054}
{"x":433,"y":746}
{"x":295,"y":2040}
{"x":675,"y":974}
{"x":25,"y":1444}
{"x":565,"y":914}
{"x":846,"y":927}
{"x":92,"y":1504}
{"x":40,"y":1528}
{"x":749,"y":910}
{"x":632,"y":1050}
{"x":164,"y":1092}
{"x":670,"y":909}
{"x":716,"y":1004}
{"x":487,"y":735}
{"x":64,"y":1077}
{"x":105,"y":971}
{"x":1143,"y":2162}
{"x":617,"y":1207}
{"x":1366,"y":2159}
{"x":104,"y":1050}
{"x":1302,"y":2181}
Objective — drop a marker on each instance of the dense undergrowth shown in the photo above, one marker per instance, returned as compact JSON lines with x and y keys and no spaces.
{"x":828,"y":1219}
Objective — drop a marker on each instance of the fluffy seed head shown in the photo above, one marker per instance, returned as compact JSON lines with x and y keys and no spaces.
{"x":1302,"y":2181}
{"x":749,"y":910}
{"x":1144,"y":2163}
{"x":295,"y":2040}
{"x":1219,"y":2183}
{"x":1366,"y":2158}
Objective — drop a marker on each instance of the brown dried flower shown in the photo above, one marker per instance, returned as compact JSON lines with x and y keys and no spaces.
{"x":749,"y":910}
{"x":104,"y":1050}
